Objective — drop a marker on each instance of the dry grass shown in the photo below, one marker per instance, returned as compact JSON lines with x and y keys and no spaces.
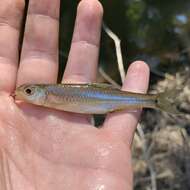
{"x":167,"y":140}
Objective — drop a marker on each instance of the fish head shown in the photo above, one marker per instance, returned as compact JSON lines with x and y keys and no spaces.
{"x":31,"y":93}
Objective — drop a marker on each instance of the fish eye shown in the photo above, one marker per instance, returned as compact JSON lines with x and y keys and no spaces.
{"x":29,"y":91}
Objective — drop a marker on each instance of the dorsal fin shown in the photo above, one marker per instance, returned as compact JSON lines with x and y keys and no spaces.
{"x":103,"y":85}
{"x":95,"y":85}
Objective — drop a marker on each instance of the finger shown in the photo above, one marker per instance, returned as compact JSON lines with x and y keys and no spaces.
{"x":83,"y":56}
{"x":39,"y":57}
{"x":11,"y":12}
{"x":124,"y":123}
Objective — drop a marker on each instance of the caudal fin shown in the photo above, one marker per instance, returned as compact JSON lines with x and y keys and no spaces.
{"x":166,"y":101}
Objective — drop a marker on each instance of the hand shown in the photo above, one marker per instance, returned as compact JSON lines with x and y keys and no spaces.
{"x":47,"y":149}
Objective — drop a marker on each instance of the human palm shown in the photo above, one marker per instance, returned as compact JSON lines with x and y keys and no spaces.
{"x":46,"y":149}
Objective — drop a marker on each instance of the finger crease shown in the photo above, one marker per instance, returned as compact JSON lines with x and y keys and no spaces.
{"x":44,"y":16}
{"x":86,"y":43}
{"x":40,"y":54}
{"x":77,"y":77}
{"x":5,"y":23}
{"x":7,"y":60}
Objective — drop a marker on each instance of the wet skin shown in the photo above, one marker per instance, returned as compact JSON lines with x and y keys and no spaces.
{"x":47,"y":149}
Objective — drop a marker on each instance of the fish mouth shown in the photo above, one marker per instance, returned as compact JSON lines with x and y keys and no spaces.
{"x":17,"y":95}
{"x":13,"y":95}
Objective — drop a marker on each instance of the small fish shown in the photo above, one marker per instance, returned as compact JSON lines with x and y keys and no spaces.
{"x":93,"y":98}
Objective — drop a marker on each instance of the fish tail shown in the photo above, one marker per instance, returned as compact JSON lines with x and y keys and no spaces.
{"x":166,"y":101}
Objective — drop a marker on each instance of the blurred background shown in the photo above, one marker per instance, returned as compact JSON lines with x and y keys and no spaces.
{"x":157,"y":32}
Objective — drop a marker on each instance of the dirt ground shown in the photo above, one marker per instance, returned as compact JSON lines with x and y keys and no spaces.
{"x":161,"y":148}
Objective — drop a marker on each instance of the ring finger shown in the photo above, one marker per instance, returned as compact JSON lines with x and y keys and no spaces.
{"x":39,"y":56}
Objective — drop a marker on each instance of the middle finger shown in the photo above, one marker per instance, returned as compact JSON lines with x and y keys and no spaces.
{"x":83,"y":56}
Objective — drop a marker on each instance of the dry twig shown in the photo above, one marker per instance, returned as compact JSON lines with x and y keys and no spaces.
{"x":117,"y":41}
{"x":108,"y":78}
